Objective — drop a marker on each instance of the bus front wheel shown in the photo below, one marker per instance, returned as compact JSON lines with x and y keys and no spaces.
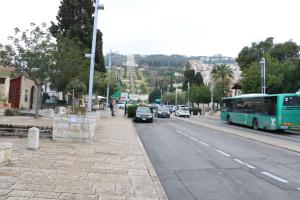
{"x":255,"y":124}
{"x":229,"y":120}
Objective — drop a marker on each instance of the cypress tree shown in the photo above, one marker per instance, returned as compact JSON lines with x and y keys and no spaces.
{"x":75,"y":21}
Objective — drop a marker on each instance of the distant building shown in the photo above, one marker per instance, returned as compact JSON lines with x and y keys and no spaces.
{"x":130,"y":61}
{"x":5,"y":73}
{"x":206,"y":68}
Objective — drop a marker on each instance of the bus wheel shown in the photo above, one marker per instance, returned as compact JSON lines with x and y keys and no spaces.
{"x":255,"y":124}
{"x":229,"y":120}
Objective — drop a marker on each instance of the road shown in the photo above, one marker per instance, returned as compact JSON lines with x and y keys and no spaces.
{"x":194,"y":162}
{"x":282,"y":135}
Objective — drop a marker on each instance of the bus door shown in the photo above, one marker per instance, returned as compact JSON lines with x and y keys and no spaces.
{"x":291,"y":112}
{"x":241,"y":113}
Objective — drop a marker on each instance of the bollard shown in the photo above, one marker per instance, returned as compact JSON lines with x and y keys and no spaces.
{"x":33,"y":138}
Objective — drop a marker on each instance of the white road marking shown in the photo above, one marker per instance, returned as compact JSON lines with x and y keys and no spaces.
{"x":193,"y":138}
{"x":275,"y":177}
{"x":250,"y":166}
{"x":223,"y":153}
{"x":239,"y":161}
{"x":298,"y":188}
{"x":203,"y":143}
{"x":182,"y":133}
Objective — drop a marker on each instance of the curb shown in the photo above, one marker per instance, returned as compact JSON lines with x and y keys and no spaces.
{"x":157,"y":184}
{"x":258,"y":138}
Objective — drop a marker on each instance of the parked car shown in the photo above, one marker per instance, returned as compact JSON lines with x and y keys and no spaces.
{"x":121,"y":105}
{"x":182,"y":112}
{"x":143,"y":114}
{"x":170,"y":108}
{"x":163,"y":112}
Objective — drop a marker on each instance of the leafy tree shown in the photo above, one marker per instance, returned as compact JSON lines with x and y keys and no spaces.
{"x":70,"y":64}
{"x":222,"y":74}
{"x":32,"y":54}
{"x":191,"y":77}
{"x":254,"y":53}
{"x":101,"y":80}
{"x":181,"y":98}
{"x":77,"y":89}
{"x":154,"y":94}
{"x":282,"y":66}
{"x":200,"y":94}
{"x":218,"y":92}
{"x":6,"y":55}
{"x":284,"y":51}
{"x":143,"y":89}
{"x":198,"y":80}
{"x":169,"y":98}
{"x":251,"y":81}
{"x":75,"y":21}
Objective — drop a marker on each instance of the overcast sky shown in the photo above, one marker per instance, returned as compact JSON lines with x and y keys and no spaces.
{"x":189,"y":27}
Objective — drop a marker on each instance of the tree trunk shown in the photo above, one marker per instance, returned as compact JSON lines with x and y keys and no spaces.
{"x":37,"y":100}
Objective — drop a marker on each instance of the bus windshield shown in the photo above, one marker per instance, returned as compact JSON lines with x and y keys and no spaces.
{"x":291,"y":101}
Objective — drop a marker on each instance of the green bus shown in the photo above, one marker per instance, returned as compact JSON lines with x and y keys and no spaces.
{"x":263,"y":111}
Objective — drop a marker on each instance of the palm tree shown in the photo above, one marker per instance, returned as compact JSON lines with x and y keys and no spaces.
{"x":223,"y":74}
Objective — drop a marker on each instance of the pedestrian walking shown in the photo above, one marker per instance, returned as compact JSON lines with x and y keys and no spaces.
{"x":111,"y":106}
{"x":125,"y":109}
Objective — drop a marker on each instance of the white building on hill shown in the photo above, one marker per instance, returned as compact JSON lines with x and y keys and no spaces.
{"x":130,"y":61}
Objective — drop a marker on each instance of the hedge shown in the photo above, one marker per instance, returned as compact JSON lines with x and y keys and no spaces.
{"x":195,"y":111}
{"x":131,"y":110}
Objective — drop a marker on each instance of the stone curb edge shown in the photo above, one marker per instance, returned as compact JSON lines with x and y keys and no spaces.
{"x":247,"y":136}
{"x":157,"y":184}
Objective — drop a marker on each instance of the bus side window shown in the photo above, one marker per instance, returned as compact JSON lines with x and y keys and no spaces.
{"x":270,"y":105}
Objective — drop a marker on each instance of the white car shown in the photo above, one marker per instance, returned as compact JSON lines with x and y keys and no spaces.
{"x":182,"y":112}
{"x":121,"y":105}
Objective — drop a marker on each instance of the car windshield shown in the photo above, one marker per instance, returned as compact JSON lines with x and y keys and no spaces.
{"x":143,"y":110}
{"x":163,"y":109}
{"x":184,"y":109}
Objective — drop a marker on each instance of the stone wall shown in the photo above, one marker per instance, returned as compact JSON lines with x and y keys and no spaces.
{"x":74,"y":127}
{"x":5,"y":153}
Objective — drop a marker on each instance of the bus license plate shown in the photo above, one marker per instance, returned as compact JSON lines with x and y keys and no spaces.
{"x":143,"y":119}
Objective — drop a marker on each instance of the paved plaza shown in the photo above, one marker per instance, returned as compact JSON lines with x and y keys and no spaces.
{"x":113,"y":166}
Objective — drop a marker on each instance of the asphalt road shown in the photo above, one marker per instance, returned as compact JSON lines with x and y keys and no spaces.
{"x":282,"y":135}
{"x":195,"y":162}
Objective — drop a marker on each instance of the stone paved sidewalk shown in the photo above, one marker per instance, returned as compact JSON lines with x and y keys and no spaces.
{"x":115,"y":166}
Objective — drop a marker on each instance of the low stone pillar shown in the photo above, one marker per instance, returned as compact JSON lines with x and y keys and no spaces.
{"x":33,"y":138}
{"x":5,"y":153}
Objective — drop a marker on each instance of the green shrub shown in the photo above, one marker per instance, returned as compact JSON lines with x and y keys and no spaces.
{"x":131,"y":110}
{"x":195,"y":111}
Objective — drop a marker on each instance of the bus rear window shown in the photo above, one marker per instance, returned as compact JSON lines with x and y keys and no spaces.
{"x":291,"y":101}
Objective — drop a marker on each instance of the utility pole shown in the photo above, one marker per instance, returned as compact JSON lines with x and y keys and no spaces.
{"x":263,"y":75}
{"x":212,"y":96}
{"x":176,"y":97}
{"x":108,"y":80}
{"x":92,"y":55}
{"x":160,"y":96}
{"x":188,"y":93}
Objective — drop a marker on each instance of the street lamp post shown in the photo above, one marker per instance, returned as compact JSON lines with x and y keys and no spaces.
{"x":263,"y":75}
{"x":212,"y":96}
{"x":176,"y":97}
{"x":160,"y":96}
{"x":188,"y":93}
{"x":108,"y":80}
{"x":92,"y":55}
